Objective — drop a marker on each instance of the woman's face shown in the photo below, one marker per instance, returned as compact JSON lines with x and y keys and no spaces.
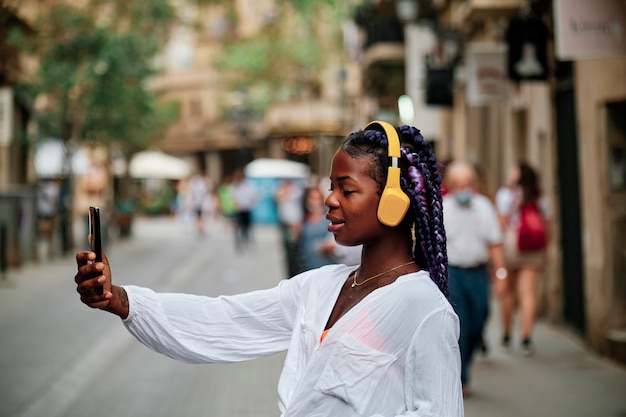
{"x":353,"y":201}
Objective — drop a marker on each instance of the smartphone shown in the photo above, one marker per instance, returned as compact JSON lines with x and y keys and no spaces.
{"x":96,"y":237}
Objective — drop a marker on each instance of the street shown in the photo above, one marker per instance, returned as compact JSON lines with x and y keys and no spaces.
{"x":60,"y":358}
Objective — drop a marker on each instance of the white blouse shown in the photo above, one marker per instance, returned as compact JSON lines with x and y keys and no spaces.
{"x":395,"y":353}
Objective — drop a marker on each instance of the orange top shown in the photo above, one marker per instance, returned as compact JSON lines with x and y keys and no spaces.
{"x":324,"y":333}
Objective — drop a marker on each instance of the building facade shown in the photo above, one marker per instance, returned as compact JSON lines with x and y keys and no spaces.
{"x":561,"y":116}
{"x":217,"y":123}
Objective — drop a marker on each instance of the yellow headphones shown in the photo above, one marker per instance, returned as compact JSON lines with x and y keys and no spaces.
{"x":394,"y":203}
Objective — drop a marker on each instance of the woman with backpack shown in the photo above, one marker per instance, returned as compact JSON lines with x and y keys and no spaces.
{"x":523,"y":212}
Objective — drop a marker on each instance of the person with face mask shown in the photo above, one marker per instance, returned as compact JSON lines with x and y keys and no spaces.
{"x":474,"y":241}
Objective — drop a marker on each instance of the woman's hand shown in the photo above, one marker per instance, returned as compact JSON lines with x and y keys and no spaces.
{"x":92,"y":275}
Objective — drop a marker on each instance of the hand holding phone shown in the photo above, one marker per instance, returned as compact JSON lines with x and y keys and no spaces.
{"x":96,"y":238}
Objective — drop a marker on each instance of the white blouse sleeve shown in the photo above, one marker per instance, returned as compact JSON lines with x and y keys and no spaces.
{"x":200,"y":329}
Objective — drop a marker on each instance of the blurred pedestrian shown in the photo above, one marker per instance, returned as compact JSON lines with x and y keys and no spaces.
{"x":506,"y":194}
{"x":474,"y":246}
{"x":225,"y":202}
{"x":518,"y":200}
{"x":314,"y":229}
{"x":317,"y":246}
{"x":199,"y":199}
{"x":245,"y":196}
{"x":48,"y":196}
{"x":288,"y":196}
{"x":379,"y":339}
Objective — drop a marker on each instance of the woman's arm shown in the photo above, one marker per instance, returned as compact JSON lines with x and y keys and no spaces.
{"x":200,"y":329}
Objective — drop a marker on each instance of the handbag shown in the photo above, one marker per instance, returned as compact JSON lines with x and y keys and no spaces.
{"x":531,"y":234}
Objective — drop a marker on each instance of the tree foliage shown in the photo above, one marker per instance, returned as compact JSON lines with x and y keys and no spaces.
{"x":285,"y":58}
{"x":94,"y":62}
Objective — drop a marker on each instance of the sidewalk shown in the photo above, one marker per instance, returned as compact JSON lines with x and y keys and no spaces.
{"x":562,"y":378}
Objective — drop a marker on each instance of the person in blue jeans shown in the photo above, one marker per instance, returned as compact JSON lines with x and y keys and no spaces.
{"x":474,"y":242}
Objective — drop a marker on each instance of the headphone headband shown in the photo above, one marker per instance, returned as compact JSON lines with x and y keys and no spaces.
{"x":393,"y":140}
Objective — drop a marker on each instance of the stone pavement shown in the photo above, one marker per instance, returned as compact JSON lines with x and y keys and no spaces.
{"x":59,"y":358}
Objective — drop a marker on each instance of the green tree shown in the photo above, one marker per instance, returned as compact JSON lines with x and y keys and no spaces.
{"x":95,"y":59}
{"x":285,"y":59}
{"x":94,"y":62}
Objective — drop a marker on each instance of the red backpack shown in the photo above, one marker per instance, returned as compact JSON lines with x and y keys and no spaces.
{"x":532,"y":229}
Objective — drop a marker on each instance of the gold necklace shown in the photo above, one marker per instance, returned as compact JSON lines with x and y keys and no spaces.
{"x":354,"y":284}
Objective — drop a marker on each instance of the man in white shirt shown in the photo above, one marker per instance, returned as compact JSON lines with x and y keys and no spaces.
{"x":474,"y":242}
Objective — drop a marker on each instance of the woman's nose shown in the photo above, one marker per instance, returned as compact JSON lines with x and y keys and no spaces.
{"x":330,"y":201}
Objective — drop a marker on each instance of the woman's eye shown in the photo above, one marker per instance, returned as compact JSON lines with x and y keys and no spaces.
{"x":347,"y":192}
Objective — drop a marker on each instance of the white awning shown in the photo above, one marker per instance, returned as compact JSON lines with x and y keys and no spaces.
{"x":276,"y":168}
{"x":154,"y":164}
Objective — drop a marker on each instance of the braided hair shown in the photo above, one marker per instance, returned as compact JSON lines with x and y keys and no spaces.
{"x":420,"y":179}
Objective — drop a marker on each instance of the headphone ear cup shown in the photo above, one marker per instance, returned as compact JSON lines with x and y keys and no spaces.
{"x":392,"y":207}
{"x":394,"y":203}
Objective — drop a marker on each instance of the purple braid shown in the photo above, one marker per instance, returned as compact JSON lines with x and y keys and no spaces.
{"x":421,"y":181}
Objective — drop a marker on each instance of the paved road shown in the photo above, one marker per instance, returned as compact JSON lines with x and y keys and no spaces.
{"x":60,"y":358}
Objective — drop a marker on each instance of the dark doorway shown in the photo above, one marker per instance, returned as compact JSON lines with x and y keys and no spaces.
{"x":570,"y":206}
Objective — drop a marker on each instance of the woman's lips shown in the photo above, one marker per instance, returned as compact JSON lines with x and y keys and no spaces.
{"x":335,"y":224}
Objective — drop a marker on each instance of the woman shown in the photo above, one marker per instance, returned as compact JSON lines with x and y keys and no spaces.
{"x":317,"y":246}
{"x":379,"y":339}
{"x":314,"y":230}
{"x":524,"y":265}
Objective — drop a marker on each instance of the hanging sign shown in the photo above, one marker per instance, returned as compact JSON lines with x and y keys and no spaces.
{"x":587,"y":29}
{"x":486,"y":73}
